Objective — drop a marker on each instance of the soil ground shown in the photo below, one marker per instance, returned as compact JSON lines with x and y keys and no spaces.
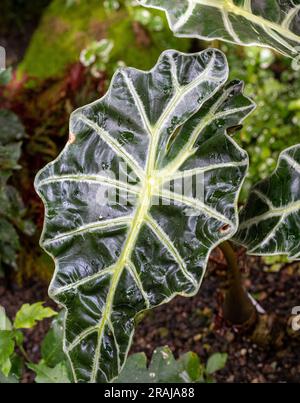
{"x":195,"y":324}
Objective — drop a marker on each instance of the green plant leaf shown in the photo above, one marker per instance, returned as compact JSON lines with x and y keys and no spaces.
{"x":162,"y":369}
{"x":270,"y":23}
{"x":29,"y":315}
{"x":269,"y":222}
{"x":52,"y":346}
{"x":117,"y":258}
{"x":216,"y":362}
{"x":7,"y":346}
{"x":6,"y":367}
{"x":17,"y":363}
{"x":191,"y":368}
{"x":5,"y":323}
{"x":135,"y":370}
{"x":45,"y":374}
{"x":8,"y":379}
{"x":5,"y":76}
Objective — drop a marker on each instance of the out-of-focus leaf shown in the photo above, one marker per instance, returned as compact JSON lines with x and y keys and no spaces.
{"x":52,"y":346}
{"x":8,"y":379}
{"x":7,"y":346}
{"x":45,"y":374}
{"x":11,"y":128}
{"x":5,"y":323}
{"x":115,"y":259}
{"x":6,"y":367}
{"x":163,"y":368}
{"x":12,"y":209}
{"x":191,"y":367}
{"x":9,"y":156}
{"x":17,"y":366}
{"x":135,"y":370}
{"x":270,"y":220}
{"x":9,"y":244}
{"x":5,"y":76}
{"x":270,"y":23}
{"x":29,"y":315}
{"x":216,"y":362}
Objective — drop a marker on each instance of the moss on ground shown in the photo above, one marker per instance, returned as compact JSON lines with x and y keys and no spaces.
{"x":64,"y":31}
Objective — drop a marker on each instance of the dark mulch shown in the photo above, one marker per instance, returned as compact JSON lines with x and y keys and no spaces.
{"x":195,"y":324}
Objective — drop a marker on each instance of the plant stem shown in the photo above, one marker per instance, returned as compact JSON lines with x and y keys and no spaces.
{"x":238,"y":308}
{"x":24,"y":353}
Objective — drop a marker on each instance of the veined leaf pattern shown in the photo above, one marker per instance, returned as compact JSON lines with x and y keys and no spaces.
{"x":270,"y":221}
{"x":270,"y":23}
{"x":114,"y":261}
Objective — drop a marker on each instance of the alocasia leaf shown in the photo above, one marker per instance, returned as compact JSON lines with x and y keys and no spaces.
{"x":271,"y":23}
{"x":270,"y":220}
{"x":116,"y":258}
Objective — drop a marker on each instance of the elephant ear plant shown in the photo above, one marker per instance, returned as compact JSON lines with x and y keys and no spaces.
{"x":124,"y":235}
{"x":270,"y":220}
{"x":149,"y":183}
{"x":269,"y":23}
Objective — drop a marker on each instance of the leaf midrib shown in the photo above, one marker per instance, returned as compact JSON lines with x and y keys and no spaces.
{"x":144,"y":203}
{"x":142,"y":209}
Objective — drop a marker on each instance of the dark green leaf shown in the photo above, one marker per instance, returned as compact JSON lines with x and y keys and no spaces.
{"x":270,"y":220}
{"x":270,"y":23}
{"x":162,"y":369}
{"x":12,"y":130}
{"x":9,"y":244}
{"x":52,"y":346}
{"x":115,"y":259}
{"x":7,"y":346}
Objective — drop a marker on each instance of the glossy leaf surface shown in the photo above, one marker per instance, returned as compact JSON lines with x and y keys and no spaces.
{"x":271,"y":23}
{"x":117,"y":258}
{"x":270,"y":221}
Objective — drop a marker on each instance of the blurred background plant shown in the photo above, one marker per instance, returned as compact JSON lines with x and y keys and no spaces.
{"x":13,"y":356}
{"x":13,"y":220}
{"x":53,"y":366}
{"x":96,"y":56}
